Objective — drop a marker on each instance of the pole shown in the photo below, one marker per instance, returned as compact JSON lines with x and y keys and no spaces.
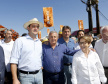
{"x":97,"y":19}
{"x":90,"y":16}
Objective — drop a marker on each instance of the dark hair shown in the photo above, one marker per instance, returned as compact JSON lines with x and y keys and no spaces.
{"x":79,"y":31}
{"x":24,"y":34}
{"x":29,"y":25}
{"x":66,"y":27}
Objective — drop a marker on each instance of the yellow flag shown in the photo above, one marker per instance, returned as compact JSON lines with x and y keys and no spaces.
{"x":39,"y":34}
{"x":80,"y":24}
{"x":61,"y":27}
{"x":48,"y":31}
{"x":48,"y":16}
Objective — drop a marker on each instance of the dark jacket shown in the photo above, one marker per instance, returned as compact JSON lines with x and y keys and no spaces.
{"x":2,"y":66}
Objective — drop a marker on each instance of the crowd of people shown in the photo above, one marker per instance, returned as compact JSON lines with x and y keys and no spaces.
{"x":56,"y":59}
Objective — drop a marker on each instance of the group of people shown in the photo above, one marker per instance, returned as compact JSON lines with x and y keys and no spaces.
{"x":59,"y":61}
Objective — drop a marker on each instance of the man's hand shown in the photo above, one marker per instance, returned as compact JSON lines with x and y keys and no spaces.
{"x":16,"y":81}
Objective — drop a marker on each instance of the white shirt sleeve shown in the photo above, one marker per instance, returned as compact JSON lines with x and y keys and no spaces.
{"x":74,"y":70}
{"x":100,"y":69}
{"x":15,"y":54}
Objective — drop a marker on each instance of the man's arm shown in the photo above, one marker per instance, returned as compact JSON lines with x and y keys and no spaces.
{"x":14,"y":74}
{"x":70,"y":52}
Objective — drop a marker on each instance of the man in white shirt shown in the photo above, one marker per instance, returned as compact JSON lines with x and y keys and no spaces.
{"x":101,"y":47}
{"x":27,"y":54}
{"x":7,"y":45}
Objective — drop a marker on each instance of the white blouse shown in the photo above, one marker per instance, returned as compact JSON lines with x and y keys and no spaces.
{"x":87,"y":70}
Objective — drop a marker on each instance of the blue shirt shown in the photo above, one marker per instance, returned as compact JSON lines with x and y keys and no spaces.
{"x":53,"y":58}
{"x":27,"y":53}
{"x":70,"y":45}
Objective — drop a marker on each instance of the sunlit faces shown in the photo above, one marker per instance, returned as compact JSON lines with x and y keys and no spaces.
{"x":83,"y":45}
{"x":53,"y":37}
{"x":8,"y":35}
{"x":66,"y":33}
{"x":33,"y":28}
{"x":81,"y":33}
{"x":105,"y":35}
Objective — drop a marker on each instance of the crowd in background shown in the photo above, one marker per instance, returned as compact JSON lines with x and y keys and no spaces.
{"x":58,"y":58}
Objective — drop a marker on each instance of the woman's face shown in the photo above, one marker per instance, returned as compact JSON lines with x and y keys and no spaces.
{"x":84,"y":45}
{"x":81,"y":33}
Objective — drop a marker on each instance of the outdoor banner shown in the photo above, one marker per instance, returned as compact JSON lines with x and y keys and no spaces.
{"x":39,"y":34}
{"x":61,"y":26}
{"x":48,"y":16}
{"x":48,"y":31}
{"x":80,"y":24}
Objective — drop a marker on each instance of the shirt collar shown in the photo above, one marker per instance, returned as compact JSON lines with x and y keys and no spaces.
{"x":28,"y":37}
{"x":69,"y":39}
{"x":8,"y":42}
{"x":56,"y":44}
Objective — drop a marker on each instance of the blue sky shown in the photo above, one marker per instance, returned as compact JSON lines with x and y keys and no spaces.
{"x":14,"y":13}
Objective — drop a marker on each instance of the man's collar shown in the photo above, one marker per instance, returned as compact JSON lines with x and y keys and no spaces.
{"x":69,"y":39}
{"x":28,"y":37}
{"x":57,"y":44}
{"x":3,"y":41}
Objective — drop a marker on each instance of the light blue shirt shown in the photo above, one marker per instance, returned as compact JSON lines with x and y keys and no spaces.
{"x":27,"y":53}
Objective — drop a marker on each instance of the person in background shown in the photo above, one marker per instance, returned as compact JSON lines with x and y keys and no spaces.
{"x":1,"y":29}
{"x":27,"y":56}
{"x":101,"y":47}
{"x":79,"y":34}
{"x":45,"y":40}
{"x":74,"y":38}
{"x":7,"y":45}
{"x":60,"y":34}
{"x":86,"y":65}
{"x":53,"y":60}
{"x":93,"y":40}
{"x":66,"y":32}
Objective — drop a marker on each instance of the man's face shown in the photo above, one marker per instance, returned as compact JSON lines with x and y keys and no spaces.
{"x":8,"y":35}
{"x":105,"y":35}
{"x":66,"y":33}
{"x":33,"y":29}
{"x":80,"y":34}
{"x":53,"y":37}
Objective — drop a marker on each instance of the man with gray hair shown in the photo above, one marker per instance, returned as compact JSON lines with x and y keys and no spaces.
{"x":7,"y":45}
{"x":101,"y":47}
{"x":53,"y":60}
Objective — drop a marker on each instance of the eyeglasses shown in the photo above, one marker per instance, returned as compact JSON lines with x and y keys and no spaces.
{"x":80,"y":43}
